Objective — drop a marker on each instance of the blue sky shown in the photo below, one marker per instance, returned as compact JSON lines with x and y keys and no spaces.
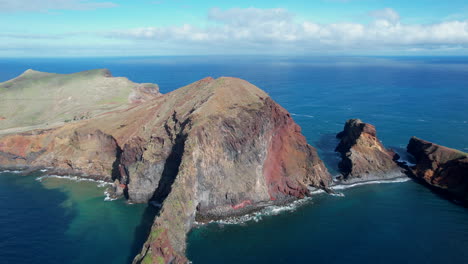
{"x":69,"y":28}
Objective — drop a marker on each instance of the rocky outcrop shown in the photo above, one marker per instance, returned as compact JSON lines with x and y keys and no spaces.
{"x":212,"y":149}
{"x":363,"y":155}
{"x":440,"y":167}
{"x":82,"y":151}
{"x":230,"y":156}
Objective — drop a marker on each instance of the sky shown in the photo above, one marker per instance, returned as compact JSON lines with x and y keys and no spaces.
{"x":92,"y":28}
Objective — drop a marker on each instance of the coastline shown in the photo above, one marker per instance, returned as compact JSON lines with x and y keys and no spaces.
{"x":24,"y":169}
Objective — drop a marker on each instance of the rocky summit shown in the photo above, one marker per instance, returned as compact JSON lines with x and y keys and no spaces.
{"x":440,"y":167}
{"x":213,"y":149}
{"x":363,"y":156}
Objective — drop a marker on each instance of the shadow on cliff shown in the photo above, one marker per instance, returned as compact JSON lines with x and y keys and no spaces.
{"x":142,"y":231}
{"x":326,"y":145}
{"x":115,"y":166}
{"x":171,"y":166}
{"x":404,"y":155}
{"x":168,"y":176}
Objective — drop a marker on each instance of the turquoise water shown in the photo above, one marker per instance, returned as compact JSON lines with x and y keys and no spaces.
{"x":402,"y":222}
{"x":64,"y":221}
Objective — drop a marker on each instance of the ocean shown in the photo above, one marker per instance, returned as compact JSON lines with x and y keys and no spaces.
{"x":64,"y":221}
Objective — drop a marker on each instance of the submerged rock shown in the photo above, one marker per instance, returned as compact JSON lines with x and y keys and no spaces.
{"x":440,"y":167}
{"x":363,"y":157}
{"x":210,"y":150}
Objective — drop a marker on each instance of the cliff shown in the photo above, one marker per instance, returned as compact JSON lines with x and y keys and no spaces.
{"x":363,"y":157}
{"x":212,"y":149}
{"x":440,"y":167}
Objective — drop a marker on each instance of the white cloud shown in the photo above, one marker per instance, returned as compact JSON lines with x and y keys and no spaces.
{"x":265,"y":31}
{"x":45,"y":5}
{"x":243,"y":28}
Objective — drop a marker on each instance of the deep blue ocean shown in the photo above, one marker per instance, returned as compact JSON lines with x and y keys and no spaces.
{"x":62,"y":221}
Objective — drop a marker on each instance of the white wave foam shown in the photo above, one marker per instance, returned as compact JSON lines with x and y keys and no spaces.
{"x":309,"y":116}
{"x":275,"y":209}
{"x":74,"y":178}
{"x":43,"y":170}
{"x":100,"y":183}
{"x":406,"y":162}
{"x":317,"y":191}
{"x":347,"y":186}
{"x":108,"y":198}
{"x":258,"y":216}
{"x":337,"y":194}
{"x":11,"y":171}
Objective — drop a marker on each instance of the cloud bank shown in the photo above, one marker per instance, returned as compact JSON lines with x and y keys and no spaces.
{"x":253,"y":27}
{"x":243,"y":31}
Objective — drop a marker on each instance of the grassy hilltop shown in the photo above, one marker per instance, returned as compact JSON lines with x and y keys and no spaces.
{"x":40,"y":99}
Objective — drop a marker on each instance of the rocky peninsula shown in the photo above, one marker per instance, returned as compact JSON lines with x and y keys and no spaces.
{"x":440,"y":167}
{"x":200,"y":152}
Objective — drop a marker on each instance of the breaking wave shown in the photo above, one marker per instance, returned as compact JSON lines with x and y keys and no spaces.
{"x":11,"y":171}
{"x":309,"y":116}
{"x":347,"y":186}
{"x":108,"y":198}
{"x":276,"y":209}
{"x":100,"y":183}
{"x":406,"y":162}
{"x":265,"y":212}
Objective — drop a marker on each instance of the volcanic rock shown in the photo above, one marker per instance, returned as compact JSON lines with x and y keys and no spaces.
{"x":363,"y":156}
{"x":440,"y":167}
{"x":210,"y":150}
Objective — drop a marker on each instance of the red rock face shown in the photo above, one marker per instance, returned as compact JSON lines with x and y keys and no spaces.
{"x":363,"y":155}
{"x":290,"y":160}
{"x":88,"y":152}
{"x":213,"y":149}
{"x":440,"y":167}
{"x":242,"y":204}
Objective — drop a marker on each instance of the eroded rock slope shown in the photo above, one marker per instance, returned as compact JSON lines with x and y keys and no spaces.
{"x":441,"y":167}
{"x":212,"y":149}
{"x":363,"y":156}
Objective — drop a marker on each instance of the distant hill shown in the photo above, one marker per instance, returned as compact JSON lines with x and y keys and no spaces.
{"x":43,"y":99}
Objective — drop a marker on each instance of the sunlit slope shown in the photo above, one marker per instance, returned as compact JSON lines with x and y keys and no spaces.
{"x":39,"y":98}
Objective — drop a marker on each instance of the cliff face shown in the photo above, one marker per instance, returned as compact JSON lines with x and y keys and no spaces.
{"x":363,"y":155}
{"x":213,"y":149}
{"x":440,"y":167}
{"x":79,"y":151}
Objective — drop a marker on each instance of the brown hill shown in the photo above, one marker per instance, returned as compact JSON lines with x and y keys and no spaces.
{"x":210,"y":150}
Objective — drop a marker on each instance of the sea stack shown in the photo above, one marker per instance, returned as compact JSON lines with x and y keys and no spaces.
{"x":213,"y":149}
{"x":441,"y":167}
{"x":363,"y":157}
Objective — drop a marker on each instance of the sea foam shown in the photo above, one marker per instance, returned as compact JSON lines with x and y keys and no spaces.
{"x":309,"y":116}
{"x":347,"y":186}
{"x":258,"y":216}
{"x":100,"y":183}
{"x":11,"y":171}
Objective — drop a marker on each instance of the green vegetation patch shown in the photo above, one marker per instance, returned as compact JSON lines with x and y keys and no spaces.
{"x":148,"y":259}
